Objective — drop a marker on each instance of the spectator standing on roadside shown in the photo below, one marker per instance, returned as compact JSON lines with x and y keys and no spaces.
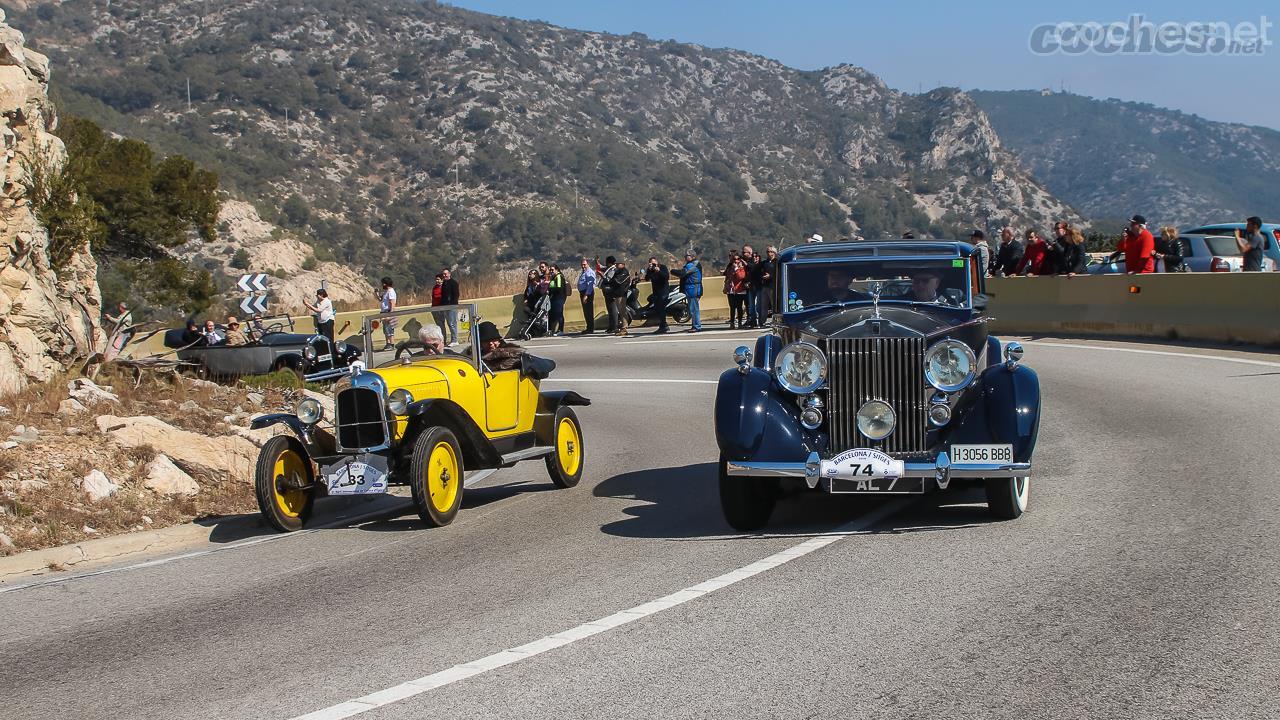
{"x":660,"y":281}
{"x":609,"y":286}
{"x":1139,"y":248}
{"x":1251,"y":243}
{"x":1061,"y":255}
{"x":691,"y":285}
{"x":979,"y":240}
{"x":735,"y":286}
{"x":587,"y":294}
{"x":437,"y":298}
{"x":1035,"y":258}
{"x":386,"y":304}
{"x":1008,"y":255}
{"x":559,"y":291}
{"x":765,"y":273}
{"x":534,"y":289}
{"x":449,"y":295}
{"x":751,"y":261}
{"x":1167,"y":249}
{"x":323,"y":310}
{"x":618,"y":299}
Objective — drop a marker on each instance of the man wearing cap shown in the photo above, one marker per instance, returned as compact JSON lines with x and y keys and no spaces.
{"x":1140,"y":248}
{"x":979,"y":240}
{"x":235,"y":336}
{"x":691,"y":285}
{"x":497,"y":353}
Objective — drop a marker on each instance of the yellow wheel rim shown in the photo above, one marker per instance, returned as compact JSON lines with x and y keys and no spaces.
{"x":289,"y":472}
{"x":443,"y":477}
{"x":568,"y":446}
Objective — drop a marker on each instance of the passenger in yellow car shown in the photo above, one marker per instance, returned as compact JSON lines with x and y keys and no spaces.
{"x":497,"y":353}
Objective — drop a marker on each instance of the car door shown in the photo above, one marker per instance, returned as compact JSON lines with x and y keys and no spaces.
{"x":502,"y":401}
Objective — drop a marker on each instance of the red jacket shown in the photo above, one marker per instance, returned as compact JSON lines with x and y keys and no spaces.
{"x":1140,"y":253}
{"x":437,"y":294}
{"x":1033,"y":259}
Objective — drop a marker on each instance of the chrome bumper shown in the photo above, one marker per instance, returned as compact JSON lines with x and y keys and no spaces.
{"x":940,"y":470}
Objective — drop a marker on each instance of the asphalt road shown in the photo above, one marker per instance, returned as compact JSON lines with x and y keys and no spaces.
{"x":1142,"y":583}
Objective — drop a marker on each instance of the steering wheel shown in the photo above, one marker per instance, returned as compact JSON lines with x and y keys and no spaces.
{"x":274,"y":328}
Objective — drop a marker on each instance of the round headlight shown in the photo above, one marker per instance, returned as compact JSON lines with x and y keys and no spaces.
{"x":309,"y":352}
{"x":398,"y":401}
{"x":876,"y":419}
{"x":310,"y":411}
{"x":949,"y":365}
{"x":800,"y":367}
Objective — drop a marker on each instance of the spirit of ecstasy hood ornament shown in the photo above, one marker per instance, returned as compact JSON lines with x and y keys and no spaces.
{"x":875,"y":289}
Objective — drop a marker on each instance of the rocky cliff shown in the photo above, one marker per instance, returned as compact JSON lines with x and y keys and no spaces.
{"x":48,"y":316}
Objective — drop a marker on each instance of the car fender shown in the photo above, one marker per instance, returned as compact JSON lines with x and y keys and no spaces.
{"x":993,"y":350}
{"x":478,"y":451}
{"x":317,"y":441}
{"x":767,"y":348}
{"x":544,"y":420}
{"x":753,"y":420}
{"x":1006,"y":411}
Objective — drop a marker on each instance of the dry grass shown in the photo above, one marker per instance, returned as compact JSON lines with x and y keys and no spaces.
{"x":41,"y":502}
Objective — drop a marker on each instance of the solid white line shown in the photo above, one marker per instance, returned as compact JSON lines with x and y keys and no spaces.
{"x":685,"y":340}
{"x":1198,"y":356}
{"x":411,"y":688}
{"x":633,"y":380}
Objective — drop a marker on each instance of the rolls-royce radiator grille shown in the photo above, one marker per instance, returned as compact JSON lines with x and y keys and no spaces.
{"x":889,"y":369}
{"x":360,"y":422}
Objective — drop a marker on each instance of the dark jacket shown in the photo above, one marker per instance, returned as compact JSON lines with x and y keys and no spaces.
{"x":660,"y":278}
{"x":616,"y":282}
{"x":449,"y":292}
{"x":1008,"y":258}
{"x":1070,"y":257}
{"x":766,"y":267}
{"x":505,"y":357}
{"x":753,"y":274}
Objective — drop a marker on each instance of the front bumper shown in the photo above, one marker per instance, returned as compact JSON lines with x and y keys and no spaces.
{"x":940,"y":470}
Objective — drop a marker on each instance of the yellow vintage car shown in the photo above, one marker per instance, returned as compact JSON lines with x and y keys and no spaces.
{"x":436,"y":423}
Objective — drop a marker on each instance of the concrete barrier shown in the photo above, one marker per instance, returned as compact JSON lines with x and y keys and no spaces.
{"x":1211,"y":307}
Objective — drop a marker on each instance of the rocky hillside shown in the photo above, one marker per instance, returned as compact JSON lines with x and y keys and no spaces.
{"x":50,"y":306}
{"x":405,"y":135}
{"x":1111,"y":159}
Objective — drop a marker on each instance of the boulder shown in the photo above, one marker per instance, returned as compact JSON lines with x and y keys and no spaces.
{"x":5,"y":541}
{"x":8,"y":445}
{"x":71,"y":406}
{"x":189,"y":406}
{"x":86,"y":391}
{"x":165,"y":478}
{"x":227,"y":456}
{"x":23,"y":434}
{"x":256,"y":399}
{"x":97,"y":486}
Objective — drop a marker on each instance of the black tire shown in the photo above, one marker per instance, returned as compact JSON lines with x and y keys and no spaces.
{"x":436,"y":510}
{"x":681,"y":313}
{"x":564,"y":471}
{"x":1007,"y":498}
{"x":747,"y":502}
{"x":284,"y":509}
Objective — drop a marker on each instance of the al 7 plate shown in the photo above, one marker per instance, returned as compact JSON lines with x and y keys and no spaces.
{"x":981,"y":454}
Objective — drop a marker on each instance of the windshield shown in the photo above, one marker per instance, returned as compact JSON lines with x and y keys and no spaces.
{"x":807,"y":285}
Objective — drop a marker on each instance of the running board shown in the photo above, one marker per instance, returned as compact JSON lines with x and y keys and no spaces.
{"x":477,"y":476}
{"x":526,"y":454}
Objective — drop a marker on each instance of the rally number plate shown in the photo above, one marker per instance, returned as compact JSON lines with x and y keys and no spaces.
{"x":981,"y":454}
{"x":861,"y":464}
{"x":356,"y":476}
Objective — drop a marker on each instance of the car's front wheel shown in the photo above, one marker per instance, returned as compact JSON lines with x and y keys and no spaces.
{"x":565,"y":464}
{"x":283,"y":482}
{"x":1007,"y":498}
{"x":435,"y":476}
{"x":747,"y":502}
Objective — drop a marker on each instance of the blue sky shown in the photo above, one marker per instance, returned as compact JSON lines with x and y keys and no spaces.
{"x":918,"y":45}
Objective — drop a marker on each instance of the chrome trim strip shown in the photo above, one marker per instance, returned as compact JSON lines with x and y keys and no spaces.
{"x":527,"y":453}
{"x":736,"y":468}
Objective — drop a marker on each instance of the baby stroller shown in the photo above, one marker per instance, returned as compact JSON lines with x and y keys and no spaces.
{"x":537,"y":326}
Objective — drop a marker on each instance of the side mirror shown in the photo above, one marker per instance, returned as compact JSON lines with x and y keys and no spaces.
{"x":1012,"y":354}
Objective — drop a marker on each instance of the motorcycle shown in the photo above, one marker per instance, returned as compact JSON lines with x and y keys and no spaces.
{"x":677,"y":305}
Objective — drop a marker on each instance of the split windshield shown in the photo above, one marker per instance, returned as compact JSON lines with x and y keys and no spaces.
{"x":944,"y":282}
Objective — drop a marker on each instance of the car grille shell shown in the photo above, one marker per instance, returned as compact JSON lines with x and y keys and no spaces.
{"x":888,"y":369}
{"x":360,"y":419}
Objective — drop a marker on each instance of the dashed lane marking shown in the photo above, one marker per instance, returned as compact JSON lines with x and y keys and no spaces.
{"x":427,"y":683}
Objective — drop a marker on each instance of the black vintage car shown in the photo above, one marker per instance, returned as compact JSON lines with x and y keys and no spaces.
{"x":877,"y":377}
{"x":311,"y":356}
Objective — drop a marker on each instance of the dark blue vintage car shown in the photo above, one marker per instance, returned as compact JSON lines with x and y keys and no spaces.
{"x":877,"y":377}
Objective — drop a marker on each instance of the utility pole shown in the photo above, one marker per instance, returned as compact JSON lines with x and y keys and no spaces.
{"x":575,"y":193}
{"x":188,"y":94}
{"x":286,"y":122}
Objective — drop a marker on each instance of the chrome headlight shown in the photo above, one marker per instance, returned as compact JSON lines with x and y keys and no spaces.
{"x":876,"y":419}
{"x":309,"y":352}
{"x":800,"y":368}
{"x":950,"y":365}
{"x":310,"y":411}
{"x":398,"y":401}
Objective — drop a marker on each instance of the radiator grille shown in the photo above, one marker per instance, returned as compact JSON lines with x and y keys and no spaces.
{"x":889,"y":369}
{"x":360,"y":421}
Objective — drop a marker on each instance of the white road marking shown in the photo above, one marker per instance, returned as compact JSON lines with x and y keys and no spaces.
{"x":1199,"y":356}
{"x":725,"y":338}
{"x":427,"y":683}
